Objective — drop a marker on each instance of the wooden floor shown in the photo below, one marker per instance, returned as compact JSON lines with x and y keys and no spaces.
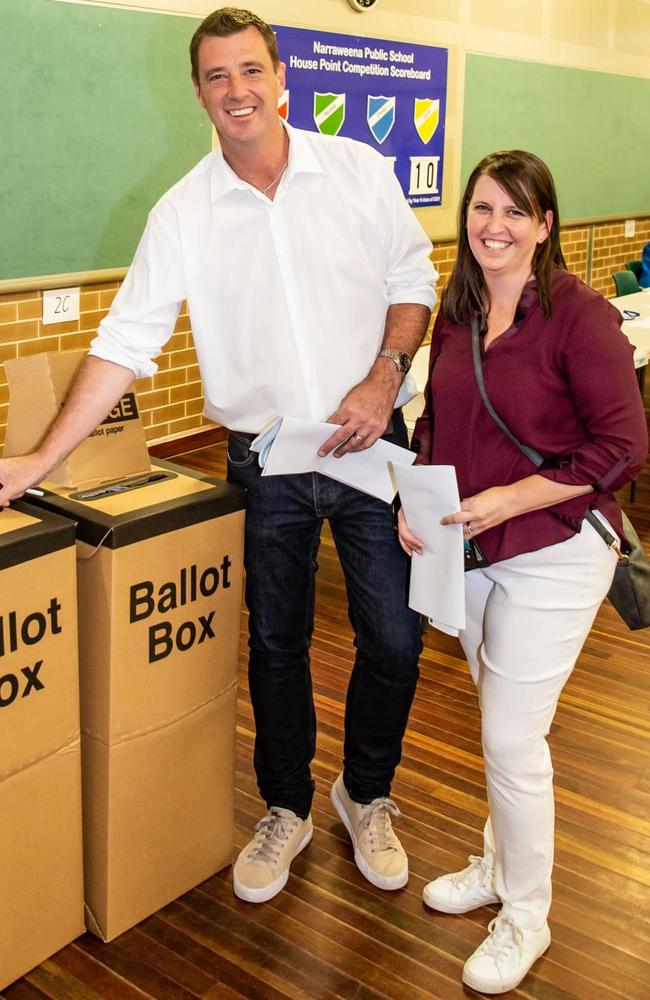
{"x":331,"y":934}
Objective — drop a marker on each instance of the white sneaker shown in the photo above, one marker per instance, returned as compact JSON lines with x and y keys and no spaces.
{"x":503,"y":959}
{"x":262,"y":868}
{"x":378,"y":853}
{"x":463,"y":891}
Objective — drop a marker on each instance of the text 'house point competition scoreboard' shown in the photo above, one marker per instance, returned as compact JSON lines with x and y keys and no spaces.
{"x":390,"y":95}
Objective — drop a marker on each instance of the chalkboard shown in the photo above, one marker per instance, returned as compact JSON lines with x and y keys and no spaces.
{"x":591,"y":128}
{"x":97,"y":119}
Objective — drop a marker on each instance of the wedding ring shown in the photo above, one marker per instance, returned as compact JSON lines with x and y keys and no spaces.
{"x":469,"y":529}
{"x":357,"y":437}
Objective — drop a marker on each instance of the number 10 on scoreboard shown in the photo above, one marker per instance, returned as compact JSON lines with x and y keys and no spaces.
{"x":424,"y":175}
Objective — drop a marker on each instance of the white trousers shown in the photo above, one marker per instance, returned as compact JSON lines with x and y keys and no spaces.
{"x":527,"y":620}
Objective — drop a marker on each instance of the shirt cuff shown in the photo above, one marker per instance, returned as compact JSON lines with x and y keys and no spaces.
{"x":613,"y":479}
{"x":140,"y":369}
{"x":410,"y":297}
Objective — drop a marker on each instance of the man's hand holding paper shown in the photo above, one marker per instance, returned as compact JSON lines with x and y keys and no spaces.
{"x":295,"y":446}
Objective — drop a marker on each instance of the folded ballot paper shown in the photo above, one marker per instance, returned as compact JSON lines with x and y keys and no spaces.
{"x":291,"y":444}
{"x":437,"y":588}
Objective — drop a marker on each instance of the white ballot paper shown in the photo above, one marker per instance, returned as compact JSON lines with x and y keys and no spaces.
{"x":291,"y":445}
{"x":437,"y":590}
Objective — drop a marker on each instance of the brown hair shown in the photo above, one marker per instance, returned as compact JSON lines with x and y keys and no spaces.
{"x":229,"y":21}
{"x":529,"y":183}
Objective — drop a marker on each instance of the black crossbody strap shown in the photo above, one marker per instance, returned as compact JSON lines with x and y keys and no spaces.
{"x":530,"y":453}
{"x":609,"y":539}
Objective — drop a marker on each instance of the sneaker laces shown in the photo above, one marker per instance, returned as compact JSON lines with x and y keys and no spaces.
{"x":376,"y":821}
{"x":270,"y":833}
{"x":504,"y":935}
{"x":476,"y":869}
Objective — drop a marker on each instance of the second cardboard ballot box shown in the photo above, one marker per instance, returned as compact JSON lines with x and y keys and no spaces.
{"x":160,"y":585}
{"x":41,"y":885}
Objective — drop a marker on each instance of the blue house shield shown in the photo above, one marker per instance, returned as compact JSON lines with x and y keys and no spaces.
{"x":380,"y":116}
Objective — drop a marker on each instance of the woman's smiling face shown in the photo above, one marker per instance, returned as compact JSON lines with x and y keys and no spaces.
{"x":502,"y":236}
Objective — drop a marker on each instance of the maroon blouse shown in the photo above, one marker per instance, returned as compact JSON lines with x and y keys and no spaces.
{"x":565,"y":386}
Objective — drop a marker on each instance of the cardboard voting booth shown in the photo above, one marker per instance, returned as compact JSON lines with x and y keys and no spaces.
{"x":41,"y":887}
{"x":38,"y":386}
{"x":160,"y":586}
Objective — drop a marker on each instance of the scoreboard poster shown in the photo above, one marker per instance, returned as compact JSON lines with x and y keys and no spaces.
{"x":391,"y":95}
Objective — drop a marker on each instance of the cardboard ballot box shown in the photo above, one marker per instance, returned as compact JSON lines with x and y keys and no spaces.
{"x":38,"y":386}
{"x":41,"y":885}
{"x":160,"y":586}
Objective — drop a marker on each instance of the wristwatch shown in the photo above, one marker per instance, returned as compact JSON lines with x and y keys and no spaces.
{"x":400,"y":359}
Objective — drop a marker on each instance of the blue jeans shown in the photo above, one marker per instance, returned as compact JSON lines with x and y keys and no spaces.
{"x":284,"y":515}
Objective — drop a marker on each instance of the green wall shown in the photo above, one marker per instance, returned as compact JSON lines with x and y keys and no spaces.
{"x":97,"y":119}
{"x":593,"y":130}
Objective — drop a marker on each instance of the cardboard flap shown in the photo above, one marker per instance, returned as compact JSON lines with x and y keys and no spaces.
{"x":64,"y":367}
{"x":31,"y":391}
{"x":39,"y":385}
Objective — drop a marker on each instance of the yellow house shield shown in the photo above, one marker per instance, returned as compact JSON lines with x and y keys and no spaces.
{"x":426,"y":113}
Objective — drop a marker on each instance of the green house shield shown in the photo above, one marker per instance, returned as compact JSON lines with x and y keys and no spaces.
{"x":329,"y":112}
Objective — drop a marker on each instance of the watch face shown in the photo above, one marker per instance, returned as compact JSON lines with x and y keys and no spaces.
{"x":362,"y":5}
{"x":404,"y":362}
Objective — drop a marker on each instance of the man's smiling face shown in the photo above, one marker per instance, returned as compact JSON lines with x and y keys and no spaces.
{"x":239,"y":87}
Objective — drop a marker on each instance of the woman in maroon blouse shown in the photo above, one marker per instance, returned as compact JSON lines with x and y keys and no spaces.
{"x":559,"y":372}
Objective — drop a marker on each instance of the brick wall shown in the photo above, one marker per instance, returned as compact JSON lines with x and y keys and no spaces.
{"x":575,"y":247}
{"x":444,"y":257}
{"x":612,"y":248}
{"x":171,"y":402}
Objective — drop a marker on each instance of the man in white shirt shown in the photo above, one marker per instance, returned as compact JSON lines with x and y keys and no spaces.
{"x":309,"y":288}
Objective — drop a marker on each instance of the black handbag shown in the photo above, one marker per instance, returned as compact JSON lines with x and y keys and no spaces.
{"x":630,"y":589}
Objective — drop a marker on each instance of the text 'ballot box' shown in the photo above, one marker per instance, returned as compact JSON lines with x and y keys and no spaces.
{"x":160,"y":584}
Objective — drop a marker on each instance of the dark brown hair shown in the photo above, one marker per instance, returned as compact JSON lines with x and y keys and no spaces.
{"x":529,"y":183}
{"x":229,"y":21}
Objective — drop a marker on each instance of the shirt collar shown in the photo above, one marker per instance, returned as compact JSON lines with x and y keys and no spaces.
{"x":527,"y":300}
{"x":302,"y":160}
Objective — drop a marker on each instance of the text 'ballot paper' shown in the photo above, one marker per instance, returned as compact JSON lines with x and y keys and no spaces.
{"x":291,"y":446}
{"x":427,"y":493}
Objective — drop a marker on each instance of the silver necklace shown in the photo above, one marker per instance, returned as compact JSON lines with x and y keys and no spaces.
{"x":275,"y":179}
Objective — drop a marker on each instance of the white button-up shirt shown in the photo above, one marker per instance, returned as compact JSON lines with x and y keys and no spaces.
{"x":287,"y":298}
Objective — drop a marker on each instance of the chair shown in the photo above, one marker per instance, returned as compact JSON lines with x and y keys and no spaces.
{"x":634,"y":266}
{"x":626,"y":282}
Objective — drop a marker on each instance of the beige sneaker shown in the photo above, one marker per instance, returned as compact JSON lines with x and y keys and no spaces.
{"x":262,"y":868}
{"x":377,"y":851}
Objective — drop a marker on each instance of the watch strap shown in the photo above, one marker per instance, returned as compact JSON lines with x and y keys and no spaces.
{"x":400,"y":359}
